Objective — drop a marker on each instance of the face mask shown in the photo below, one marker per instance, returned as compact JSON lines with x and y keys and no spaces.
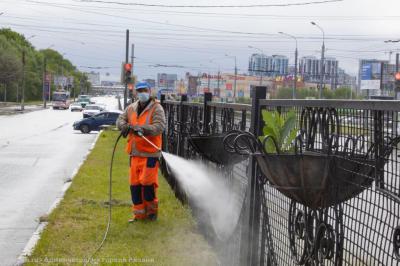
{"x":143,"y":96}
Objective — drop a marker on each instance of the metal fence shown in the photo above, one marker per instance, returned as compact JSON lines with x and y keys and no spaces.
{"x":354,"y":220}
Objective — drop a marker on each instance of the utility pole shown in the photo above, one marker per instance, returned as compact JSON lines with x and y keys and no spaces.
{"x":23,"y":81}
{"x":132,"y":62}
{"x":44,"y":83}
{"x":234,"y":86}
{"x":218,"y":78}
{"x":397,"y":62}
{"x":235,"y":81}
{"x":208,"y":84}
{"x":381,"y":83}
{"x":126,"y":62}
{"x":296,"y":54}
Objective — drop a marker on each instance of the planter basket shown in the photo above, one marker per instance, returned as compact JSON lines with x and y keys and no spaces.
{"x":212,"y":147}
{"x":317,"y":180}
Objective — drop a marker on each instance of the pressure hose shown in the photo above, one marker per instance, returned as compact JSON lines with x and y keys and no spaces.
{"x":109,"y":203}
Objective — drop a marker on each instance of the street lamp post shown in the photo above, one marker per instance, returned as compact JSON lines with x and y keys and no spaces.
{"x":322,"y":58}
{"x":295,"y":64}
{"x":218,"y":75}
{"x":261,"y":72}
{"x":235,"y":81}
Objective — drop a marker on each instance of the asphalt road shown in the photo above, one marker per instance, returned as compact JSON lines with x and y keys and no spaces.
{"x":38,"y":153}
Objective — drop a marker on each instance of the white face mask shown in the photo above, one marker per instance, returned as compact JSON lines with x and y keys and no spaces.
{"x":143,"y":96}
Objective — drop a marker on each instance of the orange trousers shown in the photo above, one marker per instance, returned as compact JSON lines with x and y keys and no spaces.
{"x":143,"y":181}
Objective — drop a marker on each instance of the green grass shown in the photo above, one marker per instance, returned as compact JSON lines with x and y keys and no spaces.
{"x":76,"y":226}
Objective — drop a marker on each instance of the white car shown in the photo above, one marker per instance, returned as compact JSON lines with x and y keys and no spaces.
{"x":76,"y":107}
{"x":92,"y":109}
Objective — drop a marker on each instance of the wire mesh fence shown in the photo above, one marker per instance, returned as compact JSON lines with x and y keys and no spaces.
{"x":329,"y":195}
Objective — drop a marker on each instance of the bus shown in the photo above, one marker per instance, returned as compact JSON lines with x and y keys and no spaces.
{"x":61,"y":100}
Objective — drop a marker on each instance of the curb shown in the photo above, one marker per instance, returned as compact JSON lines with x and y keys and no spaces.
{"x":27,"y":251}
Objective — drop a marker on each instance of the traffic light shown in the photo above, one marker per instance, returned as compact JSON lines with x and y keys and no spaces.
{"x":128,"y":73}
{"x":397,"y":82}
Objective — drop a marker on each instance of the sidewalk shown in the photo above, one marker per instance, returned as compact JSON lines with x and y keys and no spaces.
{"x":12,"y":108}
{"x":76,"y":227}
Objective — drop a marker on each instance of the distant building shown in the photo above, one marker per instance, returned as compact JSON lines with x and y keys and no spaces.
{"x":346,"y":80}
{"x":109,"y":83}
{"x":222,"y":86}
{"x":166,"y":81}
{"x":310,"y":68}
{"x":268,"y":66}
{"x":94,"y":78}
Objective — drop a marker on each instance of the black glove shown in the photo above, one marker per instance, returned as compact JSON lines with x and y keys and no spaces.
{"x":125,"y":130}
{"x":138,"y":131}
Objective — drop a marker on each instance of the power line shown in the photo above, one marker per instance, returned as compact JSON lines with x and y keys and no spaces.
{"x":244,"y":15}
{"x":119,"y":33}
{"x":211,"y":6}
{"x":154,"y":22}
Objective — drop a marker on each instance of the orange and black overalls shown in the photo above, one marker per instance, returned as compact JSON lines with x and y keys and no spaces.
{"x":143,"y":169}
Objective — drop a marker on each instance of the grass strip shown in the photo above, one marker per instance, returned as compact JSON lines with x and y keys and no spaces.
{"x":76,"y":227}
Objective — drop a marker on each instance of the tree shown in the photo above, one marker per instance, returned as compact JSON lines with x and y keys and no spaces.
{"x":10,"y":67}
{"x":10,"y":70}
{"x":12,"y":46}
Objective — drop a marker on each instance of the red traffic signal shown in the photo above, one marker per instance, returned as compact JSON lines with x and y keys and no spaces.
{"x":128,"y":67}
{"x":397,"y":76}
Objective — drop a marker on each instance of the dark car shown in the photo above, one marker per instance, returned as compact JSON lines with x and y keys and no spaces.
{"x":95,"y":122}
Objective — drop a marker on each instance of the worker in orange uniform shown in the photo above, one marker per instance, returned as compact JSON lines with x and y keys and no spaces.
{"x":145,"y":117}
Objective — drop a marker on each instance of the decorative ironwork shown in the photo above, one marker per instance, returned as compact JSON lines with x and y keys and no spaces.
{"x":396,"y":242}
{"x":340,"y":217}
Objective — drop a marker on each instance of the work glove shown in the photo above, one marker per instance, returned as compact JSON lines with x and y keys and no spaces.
{"x":125,"y":130}
{"x":138,"y":131}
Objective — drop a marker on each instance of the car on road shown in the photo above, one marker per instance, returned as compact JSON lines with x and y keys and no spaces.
{"x":76,"y":107}
{"x":84,"y":100}
{"x":92,"y":109}
{"x":95,"y":122}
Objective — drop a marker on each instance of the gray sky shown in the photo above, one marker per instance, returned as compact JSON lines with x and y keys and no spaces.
{"x":93,"y":34}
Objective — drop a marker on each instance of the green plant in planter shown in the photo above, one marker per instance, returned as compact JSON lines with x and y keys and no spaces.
{"x":281,"y":128}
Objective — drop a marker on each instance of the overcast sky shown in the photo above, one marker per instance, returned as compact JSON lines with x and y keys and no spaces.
{"x":92,"y":34}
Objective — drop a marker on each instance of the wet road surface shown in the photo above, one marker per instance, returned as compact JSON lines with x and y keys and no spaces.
{"x":38,"y":153}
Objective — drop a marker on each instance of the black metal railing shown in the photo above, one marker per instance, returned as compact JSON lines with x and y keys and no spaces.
{"x":352,"y":215}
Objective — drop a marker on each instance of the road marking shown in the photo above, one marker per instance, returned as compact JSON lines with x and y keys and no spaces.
{"x":36,"y":161}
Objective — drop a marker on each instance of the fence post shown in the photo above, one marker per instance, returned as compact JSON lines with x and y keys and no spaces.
{"x":164,"y":135}
{"x":207,"y":112}
{"x":252,"y":251}
{"x":182,"y":125}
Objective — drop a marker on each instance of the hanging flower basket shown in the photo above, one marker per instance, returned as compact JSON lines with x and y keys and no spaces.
{"x":212,"y":147}
{"x":317,"y":178}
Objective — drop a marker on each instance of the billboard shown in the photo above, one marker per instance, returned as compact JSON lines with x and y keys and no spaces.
{"x":63,"y":81}
{"x":370,"y":76}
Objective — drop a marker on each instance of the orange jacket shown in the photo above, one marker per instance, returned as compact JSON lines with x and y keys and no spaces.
{"x":152,"y":120}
